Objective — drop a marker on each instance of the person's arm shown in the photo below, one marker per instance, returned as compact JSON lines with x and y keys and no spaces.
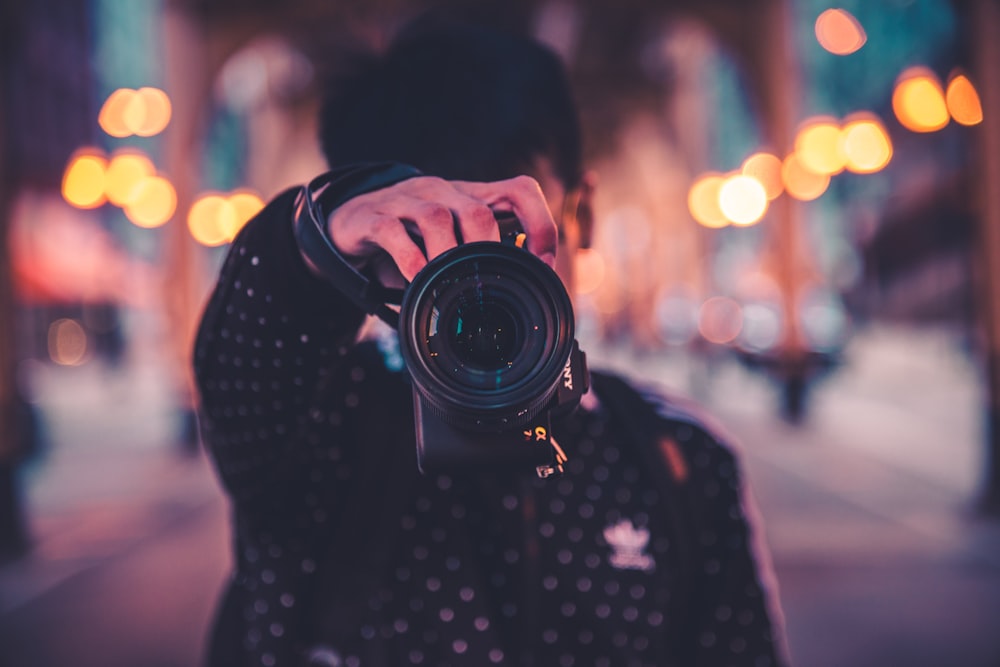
{"x":274,"y":328}
{"x":270,"y":331}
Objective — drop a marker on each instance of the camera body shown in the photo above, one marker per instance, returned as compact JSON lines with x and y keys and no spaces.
{"x":487,"y":333}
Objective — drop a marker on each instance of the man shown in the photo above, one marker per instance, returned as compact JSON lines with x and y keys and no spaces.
{"x":345,"y":554}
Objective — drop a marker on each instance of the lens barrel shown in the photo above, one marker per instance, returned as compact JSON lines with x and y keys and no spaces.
{"x":486,"y":330}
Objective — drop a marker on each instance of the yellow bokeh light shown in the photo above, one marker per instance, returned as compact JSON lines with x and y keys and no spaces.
{"x":866,"y":144}
{"x":818,"y":146}
{"x":918,"y":101}
{"x":245,"y":205}
{"x":703,"y":201}
{"x":800,"y":182}
{"x":84,"y":180}
{"x":963,"y":101}
{"x":125,"y":171}
{"x":839,"y":32}
{"x":766,"y":168}
{"x":211,"y":220}
{"x":112,"y":115}
{"x":67,"y":342}
{"x":149,"y":112}
{"x":153,"y":203}
{"x":742,"y":199}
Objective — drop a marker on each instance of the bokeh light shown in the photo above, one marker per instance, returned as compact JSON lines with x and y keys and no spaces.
{"x":144,"y":112}
{"x":211,"y":220}
{"x":67,"y":342}
{"x":720,"y":320}
{"x":839,"y":32}
{"x":112,"y":115}
{"x":126,"y":170}
{"x":153,"y":202}
{"x":742,"y":199}
{"x":818,"y":146}
{"x":918,"y":101}
{"x":963,"y":101}
{"x":703,"y":201}
{"x":766,"y":168}
{"x":149,"y":112}
{"x":866,"y":143}
{"x":84,"y":180}
{"x":800,"y":182}
{"x":246,"y":204}
{"x":217,"y":218}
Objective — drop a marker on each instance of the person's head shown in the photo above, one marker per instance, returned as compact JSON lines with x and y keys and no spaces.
{"x":464,"y":102}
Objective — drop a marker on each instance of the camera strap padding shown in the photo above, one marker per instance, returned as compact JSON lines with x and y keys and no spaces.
{"x":313,"y":205}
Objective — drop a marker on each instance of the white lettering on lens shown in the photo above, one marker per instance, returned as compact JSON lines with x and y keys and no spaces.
{"x":568,"y":376}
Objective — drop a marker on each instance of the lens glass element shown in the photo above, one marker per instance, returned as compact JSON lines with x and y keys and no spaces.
{"x":484,"y":335}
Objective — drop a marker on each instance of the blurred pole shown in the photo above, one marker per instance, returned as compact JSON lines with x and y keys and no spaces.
{"x":188,"y":80}
{"x":780,"y":78}
{"x":13,"y":537}
{"x":986,"y":27}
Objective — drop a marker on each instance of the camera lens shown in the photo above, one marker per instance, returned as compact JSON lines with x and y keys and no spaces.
{"x":486,"y":330}
{"x":484,"y":335}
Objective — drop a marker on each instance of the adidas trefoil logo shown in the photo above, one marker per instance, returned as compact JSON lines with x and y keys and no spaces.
{"x":628,"y":547}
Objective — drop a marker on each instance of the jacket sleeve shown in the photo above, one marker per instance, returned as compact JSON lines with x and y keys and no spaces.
{"x":269,"y":335}
{"x":737,"y":618}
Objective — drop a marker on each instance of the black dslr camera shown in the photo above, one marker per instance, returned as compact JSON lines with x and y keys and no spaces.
{"x":487,"y":333}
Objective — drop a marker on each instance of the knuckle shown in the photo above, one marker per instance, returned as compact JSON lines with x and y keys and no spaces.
{"x":436,"y":213}
{"x":478,"y":215}
{"x":382,"y":227}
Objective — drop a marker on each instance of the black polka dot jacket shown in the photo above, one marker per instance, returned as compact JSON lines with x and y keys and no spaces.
{"x":345,"y":555}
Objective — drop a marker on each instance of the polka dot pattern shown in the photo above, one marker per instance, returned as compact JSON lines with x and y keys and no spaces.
{"x":581,"y":570}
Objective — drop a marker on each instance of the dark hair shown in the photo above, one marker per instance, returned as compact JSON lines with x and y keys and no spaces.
{"x":458,"y":101}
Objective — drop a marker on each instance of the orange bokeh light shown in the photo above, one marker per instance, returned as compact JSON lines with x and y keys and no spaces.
{"x":703,"y":201}
{"x":144,"y":112}
{"x":839,"y":32}
{"x":153,"y":203}
{"x":818,"y":146}
{"x":112,"y":115}
{"x":742,"y":200}
{"x":211,"y":220}
{"x":800,"y":182}
{"x":919,"y":102}
{"x":84,"y":180}
{"x":866,"y":143}
{"x":125,"y":171}
{"x":246,"y":204}
{"x":766,"y":168}
{"x":963,"y":101}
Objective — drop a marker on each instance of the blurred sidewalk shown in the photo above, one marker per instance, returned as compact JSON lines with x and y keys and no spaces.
{"x":867,"y":507}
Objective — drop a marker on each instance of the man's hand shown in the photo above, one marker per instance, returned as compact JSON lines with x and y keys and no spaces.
{"x":374,"y":229}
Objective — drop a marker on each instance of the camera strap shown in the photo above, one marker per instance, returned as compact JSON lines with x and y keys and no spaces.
{"x":313,"y":205}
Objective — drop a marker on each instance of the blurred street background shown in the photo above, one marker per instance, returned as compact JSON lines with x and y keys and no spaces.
{"x":798,"y":227}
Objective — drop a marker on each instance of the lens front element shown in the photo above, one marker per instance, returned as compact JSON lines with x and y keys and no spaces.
{"x":485,"y":331}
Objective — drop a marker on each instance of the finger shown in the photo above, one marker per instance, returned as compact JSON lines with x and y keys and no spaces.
{"x":472,"y":216}
{"x":389,"y":233}
{"x":524,"y":197}
{"x":430,"y":220}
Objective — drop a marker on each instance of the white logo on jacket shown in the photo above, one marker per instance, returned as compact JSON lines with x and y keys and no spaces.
{"x":628,"y":547}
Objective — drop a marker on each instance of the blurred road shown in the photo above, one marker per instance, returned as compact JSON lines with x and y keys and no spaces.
{"x":868,"y":509}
